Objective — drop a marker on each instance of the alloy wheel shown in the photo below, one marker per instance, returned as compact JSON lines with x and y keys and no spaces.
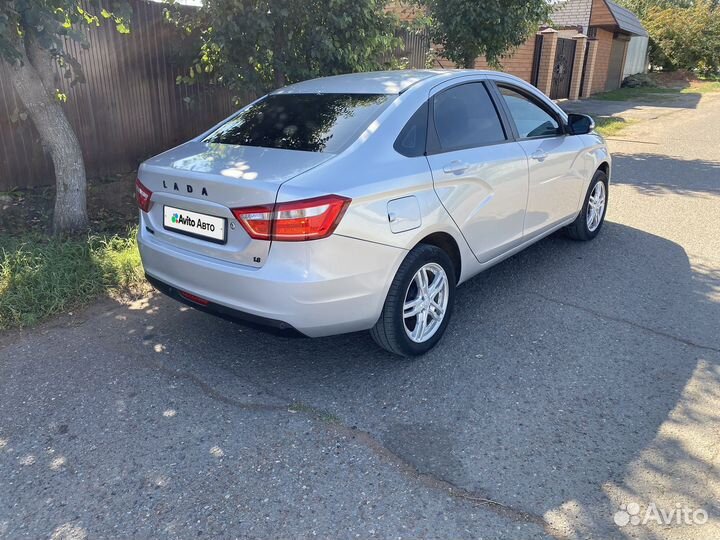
{"x":425,"y":302}
{"x":596,"y":206}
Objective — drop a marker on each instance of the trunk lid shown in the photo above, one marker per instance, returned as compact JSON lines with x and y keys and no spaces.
{"x":210,"y":179}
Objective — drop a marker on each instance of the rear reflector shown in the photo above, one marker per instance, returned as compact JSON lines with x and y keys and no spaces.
{"x":142,"y":196}
{"x":193,"y":298}
{"x":309,"y":219}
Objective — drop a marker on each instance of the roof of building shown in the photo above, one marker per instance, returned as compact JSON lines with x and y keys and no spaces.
{"x":626,"y":19}
{"x":569,"y":13}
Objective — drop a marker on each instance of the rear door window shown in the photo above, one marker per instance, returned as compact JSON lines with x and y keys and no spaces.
{"x":307,"y":122}
{"x":465,"y":117}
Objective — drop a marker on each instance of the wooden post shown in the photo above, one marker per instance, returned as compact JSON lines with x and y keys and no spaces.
{"x":547,"y":60}
{"x":577,"y":70}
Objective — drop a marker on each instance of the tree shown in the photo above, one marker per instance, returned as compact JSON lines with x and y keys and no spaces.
{"x":641,"y":7}
{"x":32,"y":42}
{"x":466,"y":29}
{"x":256,"y":45}
{"x":685,"y":37}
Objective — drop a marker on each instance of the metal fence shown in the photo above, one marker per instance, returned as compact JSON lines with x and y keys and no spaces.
{"x":129,"y":109}
{"x":416,"y":46}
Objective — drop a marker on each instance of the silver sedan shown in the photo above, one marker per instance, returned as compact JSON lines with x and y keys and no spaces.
{"x":362,"y":201}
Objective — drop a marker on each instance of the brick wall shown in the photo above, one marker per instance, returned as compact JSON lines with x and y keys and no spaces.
{"x":604,"y":46}
{"x":601,"y":14}
{"x":519,"y":63}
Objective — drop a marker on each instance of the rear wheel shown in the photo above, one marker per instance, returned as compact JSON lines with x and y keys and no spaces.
{"x":592,"y":216}
{"x":419,"y":303}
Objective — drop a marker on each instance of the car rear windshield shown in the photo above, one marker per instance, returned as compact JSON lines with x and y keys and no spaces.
{"x":309,"y":122}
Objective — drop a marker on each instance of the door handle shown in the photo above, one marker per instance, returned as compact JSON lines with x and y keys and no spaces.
{"x":455,"y":167}
{"x":539,"y":155}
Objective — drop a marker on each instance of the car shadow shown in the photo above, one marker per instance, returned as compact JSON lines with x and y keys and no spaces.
{"x":670,"y":175}
{"x":559,"y":371}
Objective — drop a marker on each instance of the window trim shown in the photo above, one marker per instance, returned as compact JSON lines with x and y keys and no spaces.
{"x":496,"y":85}
{"x":433,"y":146}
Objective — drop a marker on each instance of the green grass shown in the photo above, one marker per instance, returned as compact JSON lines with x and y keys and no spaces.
{"x":704,"y":87}
{"x":628,"y":94}
{"x":607,"y":126}
{"x":41,"y":277}
{"x":658,"y":93}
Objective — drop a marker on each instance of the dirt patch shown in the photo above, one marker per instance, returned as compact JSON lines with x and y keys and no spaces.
{"x":677,"y":79}
{"x":111,"y":206}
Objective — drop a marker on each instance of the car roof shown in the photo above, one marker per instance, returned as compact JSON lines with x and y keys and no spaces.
{"x":373,"y":82}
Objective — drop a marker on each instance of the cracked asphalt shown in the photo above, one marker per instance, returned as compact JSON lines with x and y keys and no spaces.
{"x":575,"y":379}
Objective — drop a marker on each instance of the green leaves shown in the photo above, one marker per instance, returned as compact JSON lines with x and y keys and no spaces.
{"x":466,"y":29}
{"x":252,"y":46}
{"x":685,"y":37}
{"x":49,"y":22}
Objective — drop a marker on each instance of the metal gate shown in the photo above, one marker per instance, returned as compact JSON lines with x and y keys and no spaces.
{"x":562,"y":68}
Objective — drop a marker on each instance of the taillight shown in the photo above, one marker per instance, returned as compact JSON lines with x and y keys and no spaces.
{"x":142,"y":196}
{"x":256,"y":220}
{"x":309,"y":219}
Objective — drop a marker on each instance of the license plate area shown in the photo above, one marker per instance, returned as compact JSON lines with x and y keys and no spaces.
{"x":195,"y":224}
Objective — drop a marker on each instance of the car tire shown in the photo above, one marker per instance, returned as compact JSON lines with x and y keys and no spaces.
{"x":397,"y":330}
{"x":592,"y":216}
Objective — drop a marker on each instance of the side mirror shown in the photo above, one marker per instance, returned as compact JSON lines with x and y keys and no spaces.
{"x":580,"y":124}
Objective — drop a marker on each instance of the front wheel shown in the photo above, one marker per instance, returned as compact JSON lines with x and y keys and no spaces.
{"x":419,"y":303}
{"x":592,"y":216}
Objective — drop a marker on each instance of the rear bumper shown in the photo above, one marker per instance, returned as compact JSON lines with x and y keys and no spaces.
{"x":319,"y":288}
{"x":274,"y":326}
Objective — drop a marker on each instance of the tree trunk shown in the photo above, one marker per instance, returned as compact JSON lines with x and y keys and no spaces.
{"x":469,"y":62}
{"x":33,"y":79}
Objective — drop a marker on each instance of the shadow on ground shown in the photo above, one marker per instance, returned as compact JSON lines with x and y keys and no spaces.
{"x":631,"y":107}
{"x":671,"y":175}
{"x":574,"y":378}
{"x":559,"y":370}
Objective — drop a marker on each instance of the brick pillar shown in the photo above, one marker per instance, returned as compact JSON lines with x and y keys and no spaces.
{"x":576,"y":77}
{"x":591,"y":66}
{"x":547,"y":60}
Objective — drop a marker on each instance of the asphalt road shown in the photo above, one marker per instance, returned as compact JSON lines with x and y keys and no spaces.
{"x":574,"y":379}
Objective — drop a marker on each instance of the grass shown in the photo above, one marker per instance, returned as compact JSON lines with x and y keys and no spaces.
{"x":607,"y":126}
{"x":649,"y":93}
{"x":628,"y":94}
{"x":41,"y":276}
{"x":702,"y":87}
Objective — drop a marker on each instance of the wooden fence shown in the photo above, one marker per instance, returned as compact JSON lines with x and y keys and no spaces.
{"x":129,"y":109}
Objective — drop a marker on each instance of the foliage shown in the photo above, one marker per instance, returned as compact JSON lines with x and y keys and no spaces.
{"x":49,"y":22}
{"x":41,"y":277}
{"x":260,"y":44}
{"x":683,"y":34}
{"x":466,"y":29}
{"x":685,"y":37}
{"x":641,"y":7}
